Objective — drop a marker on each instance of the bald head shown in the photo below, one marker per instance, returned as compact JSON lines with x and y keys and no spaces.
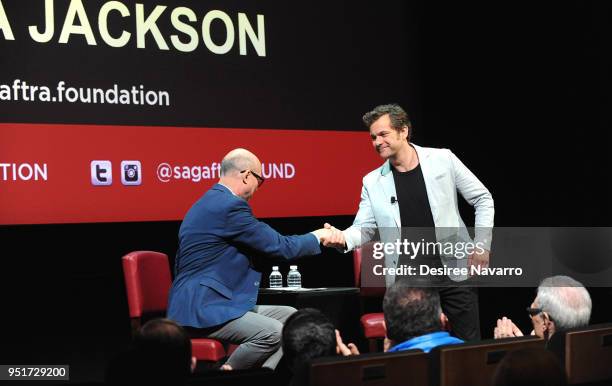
{"x":239,"y":171}
{"x":238,"y":160}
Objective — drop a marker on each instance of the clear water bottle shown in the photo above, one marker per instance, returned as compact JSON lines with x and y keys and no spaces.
{"x":276,"y":278}
{"x":294,"y":279}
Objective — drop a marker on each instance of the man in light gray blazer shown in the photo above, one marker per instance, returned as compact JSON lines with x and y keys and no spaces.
{"x":416,"y":188}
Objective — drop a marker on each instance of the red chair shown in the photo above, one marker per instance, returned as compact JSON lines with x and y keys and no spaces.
{"x":147,"y":281}
{"x":372,"y":323}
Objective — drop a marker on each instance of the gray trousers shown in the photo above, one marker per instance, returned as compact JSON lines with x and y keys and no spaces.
{"x":258,"y":332}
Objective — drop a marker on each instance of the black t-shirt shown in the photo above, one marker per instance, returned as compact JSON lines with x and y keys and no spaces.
{"x":412,"y":198}
{"x":415,"y":213}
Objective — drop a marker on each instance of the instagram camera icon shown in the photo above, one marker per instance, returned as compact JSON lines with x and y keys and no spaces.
{"x":131,"y":173}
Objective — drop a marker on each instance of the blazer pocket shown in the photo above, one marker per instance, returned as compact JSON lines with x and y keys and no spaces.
{"x":217,"y":286}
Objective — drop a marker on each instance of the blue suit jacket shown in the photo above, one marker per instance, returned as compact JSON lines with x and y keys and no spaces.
{"x":215,"y":281}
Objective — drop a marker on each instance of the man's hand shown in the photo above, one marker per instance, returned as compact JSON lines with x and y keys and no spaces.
{"x":323,"y":234}
{"x":335,"y":239}
{"x":506,"y":329}
{"x":343,"y":349}
{"x":478,"y":260}
{"x":386,"y":344}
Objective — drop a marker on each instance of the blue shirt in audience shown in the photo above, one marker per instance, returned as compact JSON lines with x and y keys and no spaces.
{"x":426,"y":342}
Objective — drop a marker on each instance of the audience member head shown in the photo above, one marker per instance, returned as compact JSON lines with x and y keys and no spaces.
{"x":160,"y":355}
{"x":411,"y":311}
{"x":529,"y":367}
{"x":561,"y":303}
{"x":307,"y":334}
{"x":241,"y":171}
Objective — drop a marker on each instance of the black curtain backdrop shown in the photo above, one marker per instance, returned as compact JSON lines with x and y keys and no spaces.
{"x":519,"y":91}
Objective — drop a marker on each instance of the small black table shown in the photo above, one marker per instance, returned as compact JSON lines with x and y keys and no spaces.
{"x":339,"y":304}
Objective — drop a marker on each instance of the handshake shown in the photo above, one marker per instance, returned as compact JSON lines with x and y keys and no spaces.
{"x":331,"y":236}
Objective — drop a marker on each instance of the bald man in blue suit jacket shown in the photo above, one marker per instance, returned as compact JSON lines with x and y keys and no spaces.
{"x":215,"y":289}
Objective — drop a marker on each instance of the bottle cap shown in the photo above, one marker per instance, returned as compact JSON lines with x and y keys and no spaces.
{"x":293,"y":267}
{"x":275,"y":268}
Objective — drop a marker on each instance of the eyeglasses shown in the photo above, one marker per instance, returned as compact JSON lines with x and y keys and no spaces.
{"x":537,"y":311}
{"x":260,"y":179}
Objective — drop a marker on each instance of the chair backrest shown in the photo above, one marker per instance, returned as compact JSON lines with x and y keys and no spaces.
{"x":474,"y":364}
{"x":259,"y":376}
{"x":402,"y":368}
{"x":362,"y":260}
{"x":147,"y":282}
{"x":587,"y":353}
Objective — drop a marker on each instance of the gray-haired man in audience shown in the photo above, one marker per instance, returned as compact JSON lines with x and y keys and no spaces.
{"x":561,"y":303}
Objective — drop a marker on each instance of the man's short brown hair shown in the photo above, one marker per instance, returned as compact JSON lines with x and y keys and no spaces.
{"x":399,"y":117}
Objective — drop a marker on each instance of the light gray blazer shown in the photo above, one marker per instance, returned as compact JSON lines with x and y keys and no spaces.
{"x":444,"y":175}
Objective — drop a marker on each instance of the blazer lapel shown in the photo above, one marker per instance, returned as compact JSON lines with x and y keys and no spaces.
{"x":387,"y":185}
{"x":429,"y":175}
